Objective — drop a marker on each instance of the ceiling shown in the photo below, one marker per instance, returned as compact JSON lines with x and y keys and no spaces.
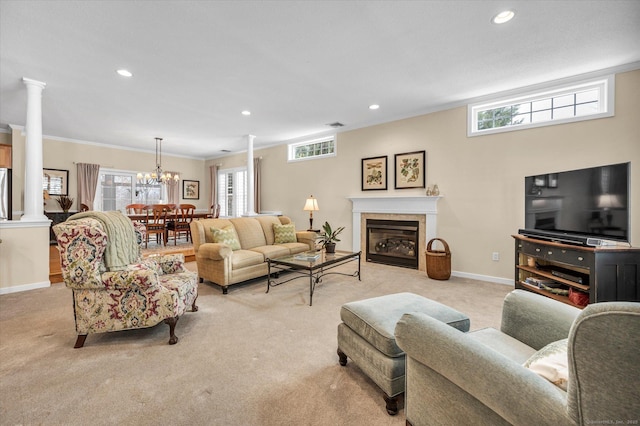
{"x":296,"y":65}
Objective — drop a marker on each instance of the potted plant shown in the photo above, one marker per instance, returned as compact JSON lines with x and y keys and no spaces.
{"x":329,"y":237}
{"x":64,"y":202}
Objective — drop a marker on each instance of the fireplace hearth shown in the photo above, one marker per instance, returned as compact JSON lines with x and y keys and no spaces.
{"x":392,"y":242}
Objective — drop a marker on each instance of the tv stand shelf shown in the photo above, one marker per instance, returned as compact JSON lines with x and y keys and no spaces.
{"x":602,"y":273}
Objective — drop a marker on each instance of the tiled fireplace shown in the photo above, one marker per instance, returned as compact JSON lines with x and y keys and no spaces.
{"x":392,"y":242}
{"x":420,"y":209}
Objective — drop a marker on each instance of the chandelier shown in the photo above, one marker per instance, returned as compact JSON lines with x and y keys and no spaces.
{"x":157,"y":176}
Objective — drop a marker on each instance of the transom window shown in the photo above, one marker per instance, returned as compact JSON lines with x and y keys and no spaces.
{"x":317,"y":148}
{"x":580,"y":101}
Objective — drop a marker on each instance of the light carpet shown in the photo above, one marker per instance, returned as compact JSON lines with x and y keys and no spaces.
{"x":245,"y":358}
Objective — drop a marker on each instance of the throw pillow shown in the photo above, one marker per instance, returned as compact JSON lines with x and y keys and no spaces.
{"x":551,"y":362}
{"x":284,"y":233}
{"x":226,"y":236}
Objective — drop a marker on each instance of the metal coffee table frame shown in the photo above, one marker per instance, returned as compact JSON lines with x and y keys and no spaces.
{"x":314,"y":269}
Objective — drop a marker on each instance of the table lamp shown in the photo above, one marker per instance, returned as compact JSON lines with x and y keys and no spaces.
{"x":311,"y":205}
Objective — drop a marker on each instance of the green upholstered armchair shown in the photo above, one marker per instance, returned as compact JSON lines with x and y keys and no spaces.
{"x":480,"y":378}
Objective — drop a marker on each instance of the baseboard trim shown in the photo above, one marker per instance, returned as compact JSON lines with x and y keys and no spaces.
{"x":24,"y":287}
{"x":498,"y":280}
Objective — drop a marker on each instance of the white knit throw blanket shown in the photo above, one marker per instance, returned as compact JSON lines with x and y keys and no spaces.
{"x":122,"y":244}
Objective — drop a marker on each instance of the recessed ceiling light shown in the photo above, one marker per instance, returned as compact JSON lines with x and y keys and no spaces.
{"x":374,"y":106}
{"x":245,"y":112}
{"x":503,"y":17}
{"x":125,"y":73}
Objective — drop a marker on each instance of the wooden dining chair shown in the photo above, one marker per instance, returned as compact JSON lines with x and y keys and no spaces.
{"x":214,"y":211}
{"x":181,"y":222}
{"x":135,"y":208}
{"x":156,"y":222}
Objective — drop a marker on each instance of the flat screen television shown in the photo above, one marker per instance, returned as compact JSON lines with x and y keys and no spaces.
{"x":586,"y":206}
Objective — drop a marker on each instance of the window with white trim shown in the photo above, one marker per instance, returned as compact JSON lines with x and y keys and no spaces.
{"x":119,"y":188}
{"x":318,"y":148}
{"x":232,"y":191}
{"x":585,"y":100}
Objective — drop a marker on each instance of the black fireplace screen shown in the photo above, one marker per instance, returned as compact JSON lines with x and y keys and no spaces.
{"x":393,"y":242}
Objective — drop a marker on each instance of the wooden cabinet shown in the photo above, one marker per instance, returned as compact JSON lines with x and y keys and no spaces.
{"x":556,"y":269}
{"x":56,"y":218}
{"x":5,"y":156}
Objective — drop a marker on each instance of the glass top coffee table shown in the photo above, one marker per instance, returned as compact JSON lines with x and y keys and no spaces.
{"x":311,"y":264}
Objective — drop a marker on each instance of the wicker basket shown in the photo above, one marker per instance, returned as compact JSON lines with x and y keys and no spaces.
{"x":438,"y":261}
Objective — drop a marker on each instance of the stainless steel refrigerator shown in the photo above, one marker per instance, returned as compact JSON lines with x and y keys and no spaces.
{"x":5,"y":194}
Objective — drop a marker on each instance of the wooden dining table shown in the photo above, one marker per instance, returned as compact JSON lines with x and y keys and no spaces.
{"x":141,"y":217}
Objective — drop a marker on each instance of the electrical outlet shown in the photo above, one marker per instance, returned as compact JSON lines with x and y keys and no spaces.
{"x":495,"y":256}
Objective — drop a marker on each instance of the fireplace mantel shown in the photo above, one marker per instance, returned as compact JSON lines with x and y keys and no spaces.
{"x":421,"y":205}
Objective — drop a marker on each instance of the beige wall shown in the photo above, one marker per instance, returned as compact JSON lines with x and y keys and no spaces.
{"x":24,"y":251}
{"x":24,"y":257}
{"x":63,"y":155}
{"x":481,"y":178}
{"x":5,"y":138}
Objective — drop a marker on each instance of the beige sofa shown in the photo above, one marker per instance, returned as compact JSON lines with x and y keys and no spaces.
{"x":223,"y":265}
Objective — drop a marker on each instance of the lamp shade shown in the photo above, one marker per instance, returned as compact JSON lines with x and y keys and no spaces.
{"x":609,"y":201}
{"x":311,"y":204}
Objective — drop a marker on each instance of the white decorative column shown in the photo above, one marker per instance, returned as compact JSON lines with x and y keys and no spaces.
{"x":250,"y":185}
{"x":33,"y":205}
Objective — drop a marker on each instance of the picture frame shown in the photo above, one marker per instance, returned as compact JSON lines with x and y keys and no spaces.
{"x":410,"y":170}
{"x":552,"y":180}
{"x":55,"y":181}
{"x":374,"y":173}
{"x":190,"y":189}
{"x":540,"y":180}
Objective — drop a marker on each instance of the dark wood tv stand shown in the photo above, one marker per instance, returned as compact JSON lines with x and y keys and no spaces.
{"x":606,"y":274}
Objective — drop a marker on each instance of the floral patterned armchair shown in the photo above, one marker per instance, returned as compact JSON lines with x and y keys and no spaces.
{"x":107,"y":298}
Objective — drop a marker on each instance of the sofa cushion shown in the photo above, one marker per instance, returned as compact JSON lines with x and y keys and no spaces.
{"x":243,"y":258}
{"x":284,"y":233}
{"x":249,"y":232}
{"x":267,"y":222}
{"x":272,"y":252}
{"x":552,"y":363}
{"x":295,"y":248}
{"x":205,"y":225}
{"x":226,"y":236}
{"x":503,"y":343}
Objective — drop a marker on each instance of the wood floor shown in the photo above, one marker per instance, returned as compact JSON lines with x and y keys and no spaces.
{"x":55,"y":274}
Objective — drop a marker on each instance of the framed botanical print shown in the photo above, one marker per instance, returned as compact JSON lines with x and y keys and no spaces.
{"x":374,"y":173}
{"x":410,"y":170}
{"x":55,"y":181}
{"x":191,"y":189}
